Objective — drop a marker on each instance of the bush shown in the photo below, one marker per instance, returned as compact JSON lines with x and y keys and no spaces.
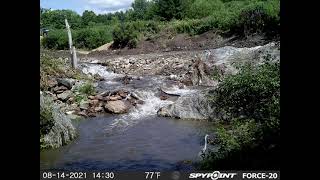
{"x":87,"y":89}
{"x":86,"y":38}
{"x":251,"y":100}
{"x":56,"y":39}
{"x":203,"y":8}
{"x":241,"y":17}
{"x":251,"y":92}
{"x":90,"y":38}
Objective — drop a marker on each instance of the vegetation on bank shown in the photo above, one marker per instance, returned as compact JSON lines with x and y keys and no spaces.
{"x":147,"y":18}
{"x":250,"y":135}
{"x":58,"y":68}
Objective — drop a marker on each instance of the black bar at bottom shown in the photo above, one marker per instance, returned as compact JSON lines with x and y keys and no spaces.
{"x":154,"y":175}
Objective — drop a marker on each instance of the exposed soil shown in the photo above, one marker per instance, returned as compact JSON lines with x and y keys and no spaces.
{"x":183,"y":42}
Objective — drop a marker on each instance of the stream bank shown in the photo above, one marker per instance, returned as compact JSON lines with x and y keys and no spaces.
{"x":139,"y":139}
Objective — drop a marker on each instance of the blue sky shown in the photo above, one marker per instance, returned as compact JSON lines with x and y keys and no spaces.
{"x":98,"y":6}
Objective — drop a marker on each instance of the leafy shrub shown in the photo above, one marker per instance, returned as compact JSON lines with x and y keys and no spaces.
{"x":257,"y":20}
{"x":241,"y":17}
{"x":45,"y":117}
{"x":56,"y":39}
{"x":90,"y":38}
{"x":251,"y":100}
{"x":86,"y":38}
{"x":124,"y":35}
{"x":203,"y":8}
{"x":251,"y":92}
{"x":87,"y":89}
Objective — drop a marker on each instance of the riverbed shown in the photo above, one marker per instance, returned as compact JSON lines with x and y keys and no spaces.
{"x":136,"y":141}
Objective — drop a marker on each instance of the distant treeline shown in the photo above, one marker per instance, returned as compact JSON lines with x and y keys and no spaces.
{"x":242,"y":17}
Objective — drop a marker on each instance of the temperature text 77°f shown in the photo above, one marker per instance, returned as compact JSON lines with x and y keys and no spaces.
{"x":151,"y":175}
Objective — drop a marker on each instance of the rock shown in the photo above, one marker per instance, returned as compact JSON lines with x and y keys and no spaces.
{"x":64,"y":96}
{"x":98,"y":77}
{"x":59,"y":89}
{"x":51,"y":95}
{"x":91,"y":114}
{"x":114,"y":98}
{"x":105,"y":93}
{"x":91,"y":97}
{"x":173,"y":77}
{"x":193,"y":106}
{"x":52,"y":83}
{"x":134,"y":95}
{"x":82,"y":113}
{"x":164,"y":97}
{"x":126,"y":79}
{"x":67,"y":82}
{"x":117,"y":107}
{"x":69,"y":112}
{"x":56,"y":128}
{"x":73,"y":116}
{"x":94,"y":102}
{"x":140,"y":102}
{"x":122,"y":93}
{"x":84,"y":105}
{"x":98,"y":109}
{"x":100,"y":98}
{"x":200,"y":74}
{"x":71,"y":100}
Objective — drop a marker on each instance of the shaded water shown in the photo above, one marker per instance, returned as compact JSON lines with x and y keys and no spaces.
{"x":135,"y":141}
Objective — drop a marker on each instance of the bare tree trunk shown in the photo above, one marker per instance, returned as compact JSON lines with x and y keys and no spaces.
{"x":73,"y":54}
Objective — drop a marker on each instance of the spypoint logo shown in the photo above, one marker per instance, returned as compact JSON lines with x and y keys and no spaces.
{"x":214,"y":176}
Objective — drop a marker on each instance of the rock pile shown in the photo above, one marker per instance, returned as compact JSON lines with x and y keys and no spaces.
{"x":63,"y":92}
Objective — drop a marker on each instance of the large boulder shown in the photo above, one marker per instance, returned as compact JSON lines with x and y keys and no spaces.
{"x":65,"y":95}
{"x":192,"y":106}
{"x":67,"y":82}
{"x":56,"y":128}
{"x":117,"y":107}
{"x":200,"y":74}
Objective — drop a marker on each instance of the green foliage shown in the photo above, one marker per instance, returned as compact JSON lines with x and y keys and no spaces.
{"x":140,"y":8}
{"x":87,"y":89}
{"x":251,"y":92}
{"x":56,"y":39}
{"x":128,"y":34}
{"x":88,"y":17}
{"x":170,"y":9}
{"x":56,"y":19}
{"x":86,"y":38}
{"x":258,"y":18}
{"x":80,"y":97}
{"x":46,"y":117}
{"x":240,"y":17}
{"x":251,"y":100}
{"x":56,"y":67}
{"x":90,"y":38}
{"x":203,"y":8}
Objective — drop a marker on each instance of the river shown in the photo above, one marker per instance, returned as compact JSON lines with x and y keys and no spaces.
{"x":136,"y":141}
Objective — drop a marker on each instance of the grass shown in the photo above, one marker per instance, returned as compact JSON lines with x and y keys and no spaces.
{"x":53,"y":67}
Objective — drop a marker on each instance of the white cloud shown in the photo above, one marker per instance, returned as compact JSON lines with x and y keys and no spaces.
{"x":106,"y":6}
{"x":110,"y":3}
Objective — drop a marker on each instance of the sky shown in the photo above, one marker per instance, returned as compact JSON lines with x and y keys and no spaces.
{"x":97,"y":6}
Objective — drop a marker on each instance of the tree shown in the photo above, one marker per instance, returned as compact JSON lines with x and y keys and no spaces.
{"x":140,"y":8}
{"x":87,"y":17}
{"x":55,"y":19}
{"x":169,"y":9}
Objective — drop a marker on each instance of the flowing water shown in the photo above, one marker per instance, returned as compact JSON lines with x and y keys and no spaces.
{"x":138,"y":140}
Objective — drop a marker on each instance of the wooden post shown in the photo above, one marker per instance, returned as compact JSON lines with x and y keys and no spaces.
{"x":74,"y":57}
{"x":71,"y":47}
